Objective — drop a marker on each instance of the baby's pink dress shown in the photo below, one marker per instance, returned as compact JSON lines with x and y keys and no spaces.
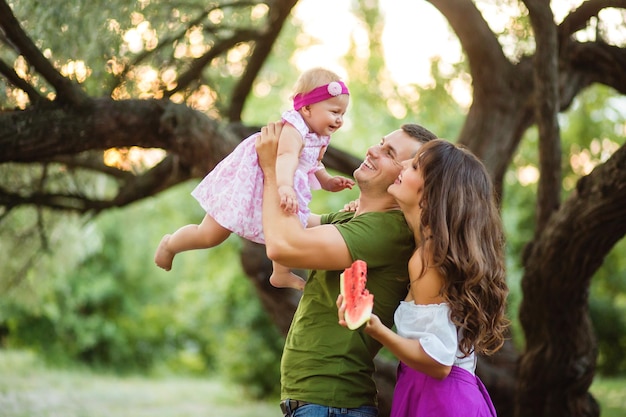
{"x":233,"y":192}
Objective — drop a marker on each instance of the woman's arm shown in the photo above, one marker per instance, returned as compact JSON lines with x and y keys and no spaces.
{"x":409,"y":351}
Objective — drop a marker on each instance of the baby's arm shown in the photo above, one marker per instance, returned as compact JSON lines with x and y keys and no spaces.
{"x":289,"y":146}
{"x":330,"y":183}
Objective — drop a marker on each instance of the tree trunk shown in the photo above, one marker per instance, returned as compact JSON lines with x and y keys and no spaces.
{"x":558,"y":363}
{"x":497,"y":372}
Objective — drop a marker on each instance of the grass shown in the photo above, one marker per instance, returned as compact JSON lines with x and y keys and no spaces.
{"x":611,"y":394}
{"x":29,"y":389}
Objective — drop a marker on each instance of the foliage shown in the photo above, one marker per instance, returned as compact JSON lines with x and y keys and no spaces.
{"x":610,"y":327}
{"x":116,"y":309}
{"x":610,"y":394}
{"x":250,"y":355}
{"x":101,"y":25}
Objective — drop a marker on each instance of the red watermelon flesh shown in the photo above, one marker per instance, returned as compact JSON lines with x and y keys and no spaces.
{"x":359,"y":302}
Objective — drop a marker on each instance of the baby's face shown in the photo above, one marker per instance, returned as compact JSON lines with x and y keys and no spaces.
{"x":326,"y":117}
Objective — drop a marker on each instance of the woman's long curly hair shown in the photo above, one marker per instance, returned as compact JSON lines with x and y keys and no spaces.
{"x":465,"y":241}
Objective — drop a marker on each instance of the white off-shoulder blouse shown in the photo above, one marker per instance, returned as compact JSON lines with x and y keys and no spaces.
{"x":431,"y":325}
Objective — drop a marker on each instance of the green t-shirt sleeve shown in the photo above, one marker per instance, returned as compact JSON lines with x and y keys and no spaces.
{"x":375,"y":237}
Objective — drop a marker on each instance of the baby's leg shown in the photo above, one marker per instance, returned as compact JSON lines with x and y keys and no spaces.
{"x":282,"y":277}
{"x":205,"y":235}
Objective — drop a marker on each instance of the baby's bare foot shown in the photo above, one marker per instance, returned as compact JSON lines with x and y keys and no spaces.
{"x":163,"y":256}
{"x":287,"y":280}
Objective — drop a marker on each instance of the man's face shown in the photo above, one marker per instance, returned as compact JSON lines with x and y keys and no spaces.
{"x":383,"y":162}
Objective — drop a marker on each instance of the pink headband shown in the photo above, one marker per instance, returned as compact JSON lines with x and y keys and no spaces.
{"x":321,"y":93}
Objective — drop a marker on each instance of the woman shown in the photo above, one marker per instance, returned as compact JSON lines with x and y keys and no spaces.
{"x":456,"y":303}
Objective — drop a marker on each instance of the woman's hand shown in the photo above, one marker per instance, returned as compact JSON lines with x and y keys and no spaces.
{"x":372,"y":326}
{"x":351,"y":206}
{"x":341,"y":311}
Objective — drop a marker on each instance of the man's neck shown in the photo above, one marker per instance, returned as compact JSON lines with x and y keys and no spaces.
{"x":376,"y":204}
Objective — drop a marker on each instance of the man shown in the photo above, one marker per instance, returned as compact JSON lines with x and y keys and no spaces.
{"x":327,"y":369}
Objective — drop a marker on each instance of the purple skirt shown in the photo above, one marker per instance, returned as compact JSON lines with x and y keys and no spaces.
{"x":460,"y":394}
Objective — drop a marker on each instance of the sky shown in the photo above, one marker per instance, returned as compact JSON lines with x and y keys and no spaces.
{"x":331,"y":23}
{"x":333,"y":30}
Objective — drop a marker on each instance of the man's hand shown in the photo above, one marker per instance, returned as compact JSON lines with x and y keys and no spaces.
{"x":267,"y":145}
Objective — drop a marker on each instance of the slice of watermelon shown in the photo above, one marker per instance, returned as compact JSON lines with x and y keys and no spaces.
{"x":359,"y":302}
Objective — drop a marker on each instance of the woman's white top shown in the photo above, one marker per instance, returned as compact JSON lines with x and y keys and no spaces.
{"x":431,"y":325}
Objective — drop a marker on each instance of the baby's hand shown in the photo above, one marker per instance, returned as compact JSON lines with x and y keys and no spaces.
{"x":288,"y":199}
{"x":335,"y":184}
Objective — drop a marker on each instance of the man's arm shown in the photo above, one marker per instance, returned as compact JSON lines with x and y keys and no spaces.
{"x":286,"y":241}
{"x":314,"y":220}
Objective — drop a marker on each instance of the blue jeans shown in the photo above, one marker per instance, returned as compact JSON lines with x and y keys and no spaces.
{"x":314,"y":410}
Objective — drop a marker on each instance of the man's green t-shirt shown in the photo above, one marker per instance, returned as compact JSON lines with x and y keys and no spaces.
{"x":323,"y":362}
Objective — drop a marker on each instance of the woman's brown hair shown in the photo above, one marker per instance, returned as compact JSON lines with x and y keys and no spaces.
{"x":466,"y":243}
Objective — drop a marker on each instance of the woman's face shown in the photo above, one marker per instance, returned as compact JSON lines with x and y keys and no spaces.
{"x":408,"y":187}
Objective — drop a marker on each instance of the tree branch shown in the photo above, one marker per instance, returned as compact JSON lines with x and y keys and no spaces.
{"x":20,"y":83}
{"x":32,"y":135}
{"x":194,"y":73}
{"x":67,"y":91}
{"x":163,"y":176}
{"x":483,"y":51}
{"x":579,"y":18}
{"x":546,"y":98}
{"x":91,"y":161}
{"x":279,"y":12}
{"x":131,"y":188}
{"x":598,"y":62}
